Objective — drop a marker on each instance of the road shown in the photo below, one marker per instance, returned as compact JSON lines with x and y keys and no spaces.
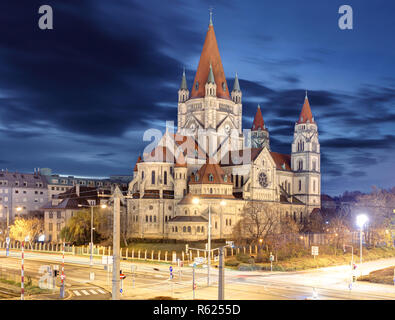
{"x":151,"y":280}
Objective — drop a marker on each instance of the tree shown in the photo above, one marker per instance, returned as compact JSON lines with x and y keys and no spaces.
{"x":258,"y":220}
{"x":26,"y":227}
{"x":378,"y":205}
{"x":78,"y":228}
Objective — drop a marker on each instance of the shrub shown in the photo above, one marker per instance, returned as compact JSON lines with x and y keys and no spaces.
{"x":244,"y":258}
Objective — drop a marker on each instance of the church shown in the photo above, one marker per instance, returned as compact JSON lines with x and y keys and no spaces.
{"x":211,"y":166}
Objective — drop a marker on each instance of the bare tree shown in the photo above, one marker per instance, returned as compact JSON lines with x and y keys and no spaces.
{"x":258,"y":221}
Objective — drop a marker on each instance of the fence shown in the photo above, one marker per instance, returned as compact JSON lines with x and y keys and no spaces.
{"x":305,"y":240}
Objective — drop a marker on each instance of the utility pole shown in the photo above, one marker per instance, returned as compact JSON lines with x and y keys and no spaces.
{"x":221,"y":291}
{"x":209,"y":245}
{"x":8,"y":233}
{"x":117,"y":196}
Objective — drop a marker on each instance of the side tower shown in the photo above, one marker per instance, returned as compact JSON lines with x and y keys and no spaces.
{"x":236,"y":98}
{"x":259,"y":132}
{"x":305,"y":159}
{"x":180,"y":177}
{"x":183,"y":95}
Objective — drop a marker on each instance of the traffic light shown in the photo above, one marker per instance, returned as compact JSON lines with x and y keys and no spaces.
{"x":55,"y":273}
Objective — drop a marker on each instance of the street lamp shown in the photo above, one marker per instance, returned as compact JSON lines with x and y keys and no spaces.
{"x":103,"y":206}
{"x":361,"y":220}
{"x":196,"y":201}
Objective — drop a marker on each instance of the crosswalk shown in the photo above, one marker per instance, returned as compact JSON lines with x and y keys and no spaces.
{"x":88,"y":292}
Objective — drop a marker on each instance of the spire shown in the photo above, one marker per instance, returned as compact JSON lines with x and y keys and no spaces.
{"x":210,"y":78}
{"x":236,"y":86}
{"x":258,"y":120}
{"x":184,"y":82}
{"x":210,"y":55}
{"x":211,"y":17}
{"x":306,"y":113}
{"x":138,"y":161}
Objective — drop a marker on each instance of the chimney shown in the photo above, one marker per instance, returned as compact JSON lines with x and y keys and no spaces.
{"x":77,"y":189}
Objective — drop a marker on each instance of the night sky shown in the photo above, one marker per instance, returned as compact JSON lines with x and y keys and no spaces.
{"x":78,"y":98}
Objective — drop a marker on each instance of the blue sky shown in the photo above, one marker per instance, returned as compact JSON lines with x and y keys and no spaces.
{"x":78,"y":98}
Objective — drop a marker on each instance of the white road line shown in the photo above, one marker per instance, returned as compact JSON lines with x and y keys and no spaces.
{"x":93,"y":291}
{"x":101,"y":291}
{"x":85,"y":292}
{"x":76,"y":293}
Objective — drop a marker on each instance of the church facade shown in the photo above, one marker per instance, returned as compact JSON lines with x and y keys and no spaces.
{"x":212,"y":165}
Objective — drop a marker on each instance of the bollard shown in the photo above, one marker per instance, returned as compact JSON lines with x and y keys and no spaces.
{"x":127,"y":253}
{"x":152,"y":255}
{"x":159,"y":255}
{"x":132,"y":253}
{"x":166,"y":256}
{"x":139,"y":254}
{"x":145,"y":254}
{"x":250,"y":250}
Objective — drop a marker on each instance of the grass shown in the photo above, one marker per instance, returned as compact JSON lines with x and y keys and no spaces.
{"x":306,"y":261}
{"x":29,"y":289}
{"x":384,"y":276}
{"x":170,"y":247}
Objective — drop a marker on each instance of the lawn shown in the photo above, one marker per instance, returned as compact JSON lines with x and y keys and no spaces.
{"x":306,"y":261}
{"x":385,"y":276}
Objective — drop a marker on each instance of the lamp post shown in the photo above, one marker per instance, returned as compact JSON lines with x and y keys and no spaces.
{"x":103,"y":206}
{"x":361,"y":220}
{"x":196,"y":201}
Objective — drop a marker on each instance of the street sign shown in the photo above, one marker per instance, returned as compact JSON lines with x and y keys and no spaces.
{"x":230,"y":243}
{"x":63,"y":277}
{"x":106,"y":260}
{"x":271,"y":257}
{"x":314,"y":250}
{"x":200,"y":260}
{"x":7,"y":240}
{"x":122,"y":276}
{"x":171,"y":272}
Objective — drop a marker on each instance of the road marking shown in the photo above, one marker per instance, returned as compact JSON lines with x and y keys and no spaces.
{"x":85,"y":292}
{"x":93,"y":291}
{"x":76,"y":293}
{"x":101,"y":291}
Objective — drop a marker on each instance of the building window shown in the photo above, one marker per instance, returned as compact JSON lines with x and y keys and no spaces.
{"x":176,"y":229}
{"x":226,"y":222}
{"x":165,"y":177}
{"x":50,"y":226}
{"x":300,"y":185}
{"x":146,"y":218}
{"x":189,"y":229}
{"x":150,"y":218}
{"x":50,"y":215}
{"x":153,"y":177}
{"x":154,"y":218}
{"x":301,"y":217}
{"x":184,"y":229}
{"x":230,"y":222}
{"x":216,"y":225}
{"x":202,"y":229}
{"x":59,"y":215}
{"x":210,"y":177}
{"x":58,"y":227}
{"x":295,"y":216}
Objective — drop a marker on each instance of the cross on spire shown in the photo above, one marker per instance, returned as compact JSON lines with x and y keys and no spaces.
{"x":211,"y":16}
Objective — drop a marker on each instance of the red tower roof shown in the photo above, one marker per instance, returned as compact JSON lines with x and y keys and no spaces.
{"x":258,"y":121}
{"x":138,"y":161}
{"x":306,"y":112}
{"x":210,"y":54}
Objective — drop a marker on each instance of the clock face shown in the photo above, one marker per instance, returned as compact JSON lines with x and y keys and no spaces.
{"x":263,"y":180}
{"x":193,"y":127}
{"x":227,"y":128}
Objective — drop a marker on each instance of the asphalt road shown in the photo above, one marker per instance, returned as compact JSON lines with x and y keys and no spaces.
{"x":150,"y":280}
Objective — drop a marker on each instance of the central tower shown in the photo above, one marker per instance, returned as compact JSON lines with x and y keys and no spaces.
{"x":211,"y":113}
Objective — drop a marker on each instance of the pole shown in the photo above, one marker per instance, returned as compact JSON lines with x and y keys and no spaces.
{"x":8,"y":233}
{"x":360,"y":246}
{"x":221,"y":282}
{"x":193,"y":280}
{"x":91,"y":273}
{"x":209,"y":245}
{"x":62,"y":276}
{"x":116,"y":245}
{"x":23,"y":273}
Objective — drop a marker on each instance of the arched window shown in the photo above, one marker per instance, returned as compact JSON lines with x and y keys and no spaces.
{"x":242,"y":181}
{"x":300,"y":185}
{"x":226,"y":178}
{"x":176,"y":229}
{"x":154,"y":218}
{"x":202,"y":229}
{"x":230,"y":222}
{"x":300,"y":165}
{"x":189,"y":229}
{"x":197,"y":85}
{"x":314,"y":165}
{"x":172,"y":229}
{"x":146,"y":218}
{"x":226,"y":221}
{"x":210,"y":177}
{"x":150,"y":218}
{"x":186,"y":212}
{"x":211,"y":190}
{"x":184,"y":229}
{"x":301,"y":217}
{"x":165,"y":177}
{"x":142,"y":175}
{"x":153,"y":177}
{"x":237,"y":180}
{"x":295,"y":216}
{"x":196,"y":177}
{"x":216,"y":225}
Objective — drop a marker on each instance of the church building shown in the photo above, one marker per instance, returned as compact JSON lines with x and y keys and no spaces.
{"x":211,"y":165}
